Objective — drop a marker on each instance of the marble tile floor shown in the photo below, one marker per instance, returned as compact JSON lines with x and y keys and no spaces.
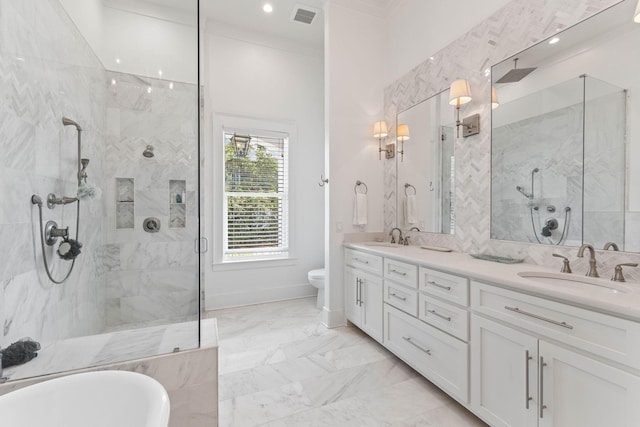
{"x":278,"y":366}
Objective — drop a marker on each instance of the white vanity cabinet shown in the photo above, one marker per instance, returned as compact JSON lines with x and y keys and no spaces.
{"x":525,"y":370}
{"x":363,"y":291}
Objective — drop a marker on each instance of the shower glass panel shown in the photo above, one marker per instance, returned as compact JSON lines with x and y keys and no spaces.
{"x":123,"y":166}
{"x":537,"y":171}
{"x":604,"y":163}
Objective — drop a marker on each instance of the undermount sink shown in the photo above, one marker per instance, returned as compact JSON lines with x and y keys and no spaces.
{"x":384,"y":244}
{"x":97,"y":399}
{"x":575,"y":281}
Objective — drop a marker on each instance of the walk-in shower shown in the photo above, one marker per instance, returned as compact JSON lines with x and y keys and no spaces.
{"x":83,"y":278}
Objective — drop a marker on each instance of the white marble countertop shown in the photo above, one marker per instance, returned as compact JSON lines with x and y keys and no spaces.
{"x":624,"y":304}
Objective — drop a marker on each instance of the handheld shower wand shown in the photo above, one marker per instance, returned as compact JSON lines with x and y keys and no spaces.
{"x":68,"y":122}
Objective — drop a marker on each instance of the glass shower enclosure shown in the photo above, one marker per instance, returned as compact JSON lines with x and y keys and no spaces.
{"x":101,"y":208}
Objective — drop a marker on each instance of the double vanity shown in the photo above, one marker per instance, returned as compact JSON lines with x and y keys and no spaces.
{"x":517,"y":344}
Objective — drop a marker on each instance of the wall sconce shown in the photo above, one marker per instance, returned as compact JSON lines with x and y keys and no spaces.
{"x":460,"y":94}
{"x":402,"y":136}
{"x":494,"y":98}
{"x":380,"y":131}
{"x":241,"y":144}
{"x":636,"y":14}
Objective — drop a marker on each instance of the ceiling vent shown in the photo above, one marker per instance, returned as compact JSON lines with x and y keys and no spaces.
{"x":304,"y":14}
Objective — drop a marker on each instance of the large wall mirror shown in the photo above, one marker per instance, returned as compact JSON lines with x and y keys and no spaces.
{"x":565,"y":146}
{"x":425,"y":165}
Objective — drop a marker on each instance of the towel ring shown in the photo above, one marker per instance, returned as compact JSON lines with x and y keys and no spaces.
{"x":359,"y":183}
{"x":407,"y":186}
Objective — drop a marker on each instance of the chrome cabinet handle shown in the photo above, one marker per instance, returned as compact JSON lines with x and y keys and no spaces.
{"x":541,"y":385}
{"x":410,"y":341}
{"x":435,"y":313}
{"x":397,"y":296}
{"x":397,"y":272}
{"x":448,"y":288}
{"x":527,"y":398}
{"x":358,"y":291}
{"x":536,"y":316}
{"x":362,"y":282}
{"x":363,"y":261}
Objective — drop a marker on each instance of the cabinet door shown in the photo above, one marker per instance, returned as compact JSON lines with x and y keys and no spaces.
{"x":352,"y":296}
{"x":371,"y":298}
{"x":576,"y":390}
{"x":503,"y":374}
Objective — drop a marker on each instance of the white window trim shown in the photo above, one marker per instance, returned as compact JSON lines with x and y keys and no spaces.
{"x":222,"y":122}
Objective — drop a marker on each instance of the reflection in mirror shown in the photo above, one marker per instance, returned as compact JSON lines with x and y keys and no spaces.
{"x":426,"y":176}
{"x":559,"y":137}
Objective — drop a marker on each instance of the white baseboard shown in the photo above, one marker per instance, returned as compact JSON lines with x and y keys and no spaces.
{"x":218,"y":301}
{"x":333,"y":318}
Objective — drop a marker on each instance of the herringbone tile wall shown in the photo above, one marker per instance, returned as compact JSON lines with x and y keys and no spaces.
{"x":513,"y":28}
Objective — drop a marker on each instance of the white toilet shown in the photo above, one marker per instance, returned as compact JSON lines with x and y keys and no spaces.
{"x":316,"y":279}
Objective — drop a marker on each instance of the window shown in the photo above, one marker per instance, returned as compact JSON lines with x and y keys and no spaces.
{"x":255,"y":218}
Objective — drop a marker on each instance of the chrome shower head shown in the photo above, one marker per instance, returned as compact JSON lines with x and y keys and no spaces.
{"x":535,"y":170}
{"x":68,"y":122}
{"x":148,"y":152}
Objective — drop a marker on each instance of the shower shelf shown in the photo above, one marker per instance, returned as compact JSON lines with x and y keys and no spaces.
{"x":177,"y":203}
{"x":125,"y":203}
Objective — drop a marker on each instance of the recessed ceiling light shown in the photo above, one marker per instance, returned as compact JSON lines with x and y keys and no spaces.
{"x":554,"y":40}
{"x":267,"y":7}
{"x":160,"y":73}
{"x":113,"y":82}
{"x":149,"y":89}
{"x":117,"y":60}
{"x":171,"y":85}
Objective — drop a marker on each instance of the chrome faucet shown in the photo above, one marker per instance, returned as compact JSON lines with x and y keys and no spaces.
{"x":611,"y":245}
{"x":400,"y":238}
{"x":593,"y":271}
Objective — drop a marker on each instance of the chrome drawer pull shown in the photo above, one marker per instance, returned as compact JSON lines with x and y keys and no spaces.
{"x":535,"y":316}
{"x":361,"y":260}
{"x":448,"y":288}
{"x":397,"y":296}
{"x":397,"y":272}
{"x":435,"y":313}
{"x":527,"y":398}
{"x":408,"y":339}
{"x":541,"y":385}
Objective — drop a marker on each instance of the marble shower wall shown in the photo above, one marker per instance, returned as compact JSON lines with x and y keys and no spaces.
{"x":518,"y":25}
{"x":152,"y":278}
{"x":47,"y":71}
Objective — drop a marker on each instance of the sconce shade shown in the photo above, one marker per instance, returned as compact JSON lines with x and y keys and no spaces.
{"x":380,"y":129}
{"x":494,"y":98}
{"x":459,"y":93}
{"x":403,"y":133}
{"x":636,"y":14}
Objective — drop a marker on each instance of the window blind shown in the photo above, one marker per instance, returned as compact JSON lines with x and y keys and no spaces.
{"x":255,"y":196}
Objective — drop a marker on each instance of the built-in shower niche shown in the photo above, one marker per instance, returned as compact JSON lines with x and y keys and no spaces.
{"x":124,"y":203}
{"x":177,"y":203}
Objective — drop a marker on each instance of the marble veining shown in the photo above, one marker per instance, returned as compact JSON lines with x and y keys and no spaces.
{"x":280,"y":367}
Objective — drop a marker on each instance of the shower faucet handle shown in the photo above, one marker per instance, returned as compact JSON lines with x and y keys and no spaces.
{"x":566,"y":268}
{"x":617,"y":274}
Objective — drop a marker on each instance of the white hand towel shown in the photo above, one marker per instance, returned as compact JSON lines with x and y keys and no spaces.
{"x":411,"y":209}
{"x":360,"y":209}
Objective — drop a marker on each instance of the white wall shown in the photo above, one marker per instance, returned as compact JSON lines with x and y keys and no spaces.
{"x":417,"y":29}
{"x":258,"y":78}
{"x":144,"y":36}
{"x":354,"y":101}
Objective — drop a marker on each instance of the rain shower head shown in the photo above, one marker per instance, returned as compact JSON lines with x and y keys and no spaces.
{"x":516,"y":74}
{"x":148,"y":152}
{"x":68,"y":122}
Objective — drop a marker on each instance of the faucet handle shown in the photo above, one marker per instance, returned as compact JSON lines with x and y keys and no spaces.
{"x":617,"y":272}
{"x":566,"y":268}
{"x":406,"y":241}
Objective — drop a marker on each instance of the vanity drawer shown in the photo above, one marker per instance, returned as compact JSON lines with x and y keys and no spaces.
{"x":401,"y":272}
{"x":446,"y":286}
{"x":441,"y":358}
{"x":604,"y":335}
{"x":401,"y":297}
{"x":451,"y":319}
{"x":363,"y":261}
